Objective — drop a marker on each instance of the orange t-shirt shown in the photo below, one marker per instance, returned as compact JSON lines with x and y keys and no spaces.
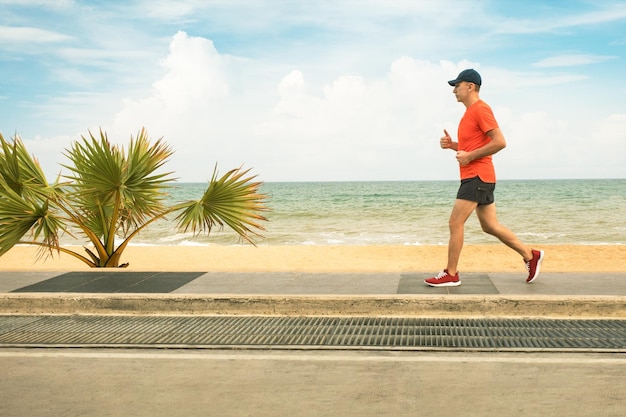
{"x":475,"y":123}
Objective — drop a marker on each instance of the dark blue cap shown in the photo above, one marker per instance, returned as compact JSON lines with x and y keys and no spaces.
{"x":469,"y":75}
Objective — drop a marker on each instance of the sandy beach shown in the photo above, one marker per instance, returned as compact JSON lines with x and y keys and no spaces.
{"x":365,"y":259}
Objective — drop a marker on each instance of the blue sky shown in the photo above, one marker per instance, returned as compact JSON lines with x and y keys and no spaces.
{"x":319,"y":90}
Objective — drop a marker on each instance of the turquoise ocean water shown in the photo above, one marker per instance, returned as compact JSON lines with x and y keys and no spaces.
{"x":588,"y":212}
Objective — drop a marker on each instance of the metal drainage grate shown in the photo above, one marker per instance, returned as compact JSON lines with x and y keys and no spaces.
{"x":313,"y":332}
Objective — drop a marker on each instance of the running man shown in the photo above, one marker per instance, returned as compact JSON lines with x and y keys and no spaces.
{"x":479,"y":137}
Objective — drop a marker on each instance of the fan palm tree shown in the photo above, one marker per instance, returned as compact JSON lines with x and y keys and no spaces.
{"x":110,"y":194}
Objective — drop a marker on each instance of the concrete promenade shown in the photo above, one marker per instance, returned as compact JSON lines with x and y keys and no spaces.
{"x":259,"y":382}
{"x":283,"y":293}
{"x":233,"y":383}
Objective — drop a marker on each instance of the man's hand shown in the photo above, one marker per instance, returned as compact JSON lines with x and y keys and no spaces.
{"x":463,"y":157}
{"x":446,"y":141}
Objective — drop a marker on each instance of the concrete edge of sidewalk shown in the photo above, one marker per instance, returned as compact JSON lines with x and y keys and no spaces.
{"x":542,"y":306}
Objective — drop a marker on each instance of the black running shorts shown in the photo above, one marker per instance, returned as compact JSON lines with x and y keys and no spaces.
{"x":474,"y":189}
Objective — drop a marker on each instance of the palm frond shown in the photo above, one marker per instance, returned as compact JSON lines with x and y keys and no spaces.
{"x":9,"y":166}
{"x":16,"y":218}
{"x":19,"y":216}
{"x":233,"y":200}
{"x":116,"y":191}
{"x":25,"y":197}
{"x":143,"y":192}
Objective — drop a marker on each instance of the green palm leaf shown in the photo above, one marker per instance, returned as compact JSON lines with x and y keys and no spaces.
{"x":24,"y":199}
{"x":115,"y":191}
{"x":233,"y":200}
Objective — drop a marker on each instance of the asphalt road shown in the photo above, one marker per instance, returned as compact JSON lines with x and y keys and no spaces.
{"x":148,"y":382}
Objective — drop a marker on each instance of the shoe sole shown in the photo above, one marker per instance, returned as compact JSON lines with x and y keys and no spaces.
{"x":528,"y":281}
{"x":446,"y":284}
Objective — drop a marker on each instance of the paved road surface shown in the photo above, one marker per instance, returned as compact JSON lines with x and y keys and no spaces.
{"x":138,"y":383}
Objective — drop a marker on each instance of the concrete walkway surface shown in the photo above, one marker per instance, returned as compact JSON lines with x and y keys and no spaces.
{"x":505,"y":294}
{"x":148,"y":383}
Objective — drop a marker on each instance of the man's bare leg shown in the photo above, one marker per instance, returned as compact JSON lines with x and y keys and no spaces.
{"x":489,"y":223}
{"x":461,"y":211}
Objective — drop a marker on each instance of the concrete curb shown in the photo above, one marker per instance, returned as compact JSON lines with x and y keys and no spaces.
{"x":606,"y":307}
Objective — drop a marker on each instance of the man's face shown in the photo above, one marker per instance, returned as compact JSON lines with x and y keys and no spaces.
{"x":461,"y":90}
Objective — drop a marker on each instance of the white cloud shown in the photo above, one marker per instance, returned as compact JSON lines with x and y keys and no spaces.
{"x":11,"y":34}
{"x":192,"y":106}
{"x":167,"y":9}
{"x":611,"y":133}
{"x":540,"y":145}
{"x":504,"y":81}
{"x":54,"y":4}
{"x":595,"y":150}
{"x":571,"y":60}
{"x":535,"y":138}
{"x":545,"y":22}
{"x":293,"y":85}
{"x":195,"y":80}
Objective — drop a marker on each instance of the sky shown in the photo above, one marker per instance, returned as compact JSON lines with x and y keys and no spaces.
{"x":319,"y":90}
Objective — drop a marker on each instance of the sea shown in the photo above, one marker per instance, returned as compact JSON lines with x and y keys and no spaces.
{"x":579,"y":212}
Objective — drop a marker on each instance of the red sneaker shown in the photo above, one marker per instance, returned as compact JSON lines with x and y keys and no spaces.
{"x":534,"y":265}
{"x":443,"y":279}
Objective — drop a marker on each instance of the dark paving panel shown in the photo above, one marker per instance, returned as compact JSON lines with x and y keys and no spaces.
{"x":470,"y":284}
{"x":60,"y":283}
{"x":114,"y":282}
{"x":164,"y":282}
